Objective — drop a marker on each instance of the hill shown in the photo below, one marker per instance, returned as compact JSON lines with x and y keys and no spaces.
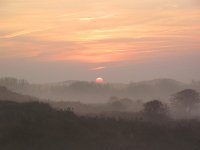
{"x":8,"y":95}
{"x":90,"y":92}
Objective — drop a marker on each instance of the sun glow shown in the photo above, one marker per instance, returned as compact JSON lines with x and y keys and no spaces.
{"x":99,"y":80}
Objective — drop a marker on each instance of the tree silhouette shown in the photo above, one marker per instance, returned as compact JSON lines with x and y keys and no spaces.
{"x":185,"y":101}
{"x":155,"y":110}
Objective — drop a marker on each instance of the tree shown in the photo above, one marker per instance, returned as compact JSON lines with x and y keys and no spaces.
{"x":155,"y":110}
{"x":185,"y":101}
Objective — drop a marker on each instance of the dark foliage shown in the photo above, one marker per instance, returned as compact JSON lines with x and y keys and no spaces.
{"x":155,"y":110}
{"x":185,"y":101}
{"x":36,"y":126}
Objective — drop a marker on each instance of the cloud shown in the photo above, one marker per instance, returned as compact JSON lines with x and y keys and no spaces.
{"x":29,"y":48}
{"x":97,"y":68}
{"x":99,"y":31}
{"x":97,"y":18}
{"x":24,"y":32}
{"x":86,"y":19}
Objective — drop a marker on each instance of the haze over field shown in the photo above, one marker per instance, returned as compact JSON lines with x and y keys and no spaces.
{"x":121,"y":41}
{"x":91,"y":92}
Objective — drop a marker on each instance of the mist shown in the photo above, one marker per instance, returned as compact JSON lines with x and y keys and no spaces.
{"x":87,"y":98}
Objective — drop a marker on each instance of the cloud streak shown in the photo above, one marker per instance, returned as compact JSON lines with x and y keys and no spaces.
{"x":97,"y":68}
{"x":98,"y":31}
{"x":25,"y":32}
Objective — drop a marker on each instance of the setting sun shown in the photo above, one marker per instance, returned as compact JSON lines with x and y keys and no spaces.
{"x":84,"y":37}
{"x":99,"y":80}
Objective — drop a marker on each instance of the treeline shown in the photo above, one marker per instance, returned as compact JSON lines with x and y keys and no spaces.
{"x":36,"y":126}
{"x":92,"y":92}
{"x":183,"y":104}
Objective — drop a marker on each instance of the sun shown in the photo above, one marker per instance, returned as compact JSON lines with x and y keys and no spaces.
{"x":99,"y":80}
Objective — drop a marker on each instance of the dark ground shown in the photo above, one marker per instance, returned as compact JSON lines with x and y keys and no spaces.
{"x":36,"y":126}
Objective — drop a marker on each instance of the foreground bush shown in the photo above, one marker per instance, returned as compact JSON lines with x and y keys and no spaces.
{"x":36,"y":126}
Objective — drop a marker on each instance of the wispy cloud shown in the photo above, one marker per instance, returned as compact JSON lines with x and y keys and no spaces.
{"x":97,"y":68}
{"x":24,"y":32}
{"x":98,"y":17}
{"x":101,"y":31}
{"x":86,"y":19}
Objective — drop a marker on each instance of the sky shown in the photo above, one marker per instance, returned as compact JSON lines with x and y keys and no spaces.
{"x":118,"y":40}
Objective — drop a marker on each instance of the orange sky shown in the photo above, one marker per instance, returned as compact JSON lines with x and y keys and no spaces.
{"x":98,"y":33}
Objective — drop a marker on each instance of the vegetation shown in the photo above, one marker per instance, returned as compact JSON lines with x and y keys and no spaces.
{"x":155,"y":110}
{"x":36,"y":126}
{"x":88,"y":92}
{"x":27,"y":123}
{"x":185,"y":101}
